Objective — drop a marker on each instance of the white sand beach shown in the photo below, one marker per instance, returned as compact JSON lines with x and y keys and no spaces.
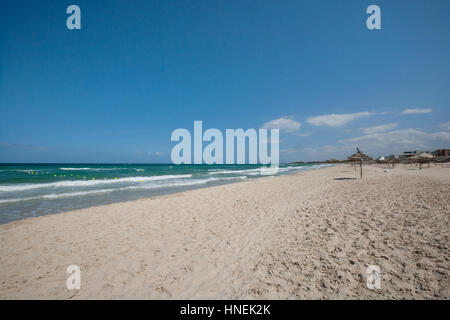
{"x":303,"y":236}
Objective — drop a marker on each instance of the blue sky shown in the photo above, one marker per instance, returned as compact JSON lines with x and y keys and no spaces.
{"x":116,"y":89}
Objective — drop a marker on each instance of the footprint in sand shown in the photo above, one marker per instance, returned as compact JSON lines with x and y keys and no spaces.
{"x":124,"y":249}
{"x":118,"y":280}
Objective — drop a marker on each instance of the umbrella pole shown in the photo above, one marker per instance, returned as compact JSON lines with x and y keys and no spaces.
{"x":360,"y":163}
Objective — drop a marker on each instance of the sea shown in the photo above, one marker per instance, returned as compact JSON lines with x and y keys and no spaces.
{"x":32,"y":190}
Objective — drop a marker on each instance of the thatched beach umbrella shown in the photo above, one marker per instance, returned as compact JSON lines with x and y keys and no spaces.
{"x":425,"y":155}
{"x":359,"y":157}
{"x":441,"y":159}
{"x":423,"y":158}
{"x":381,"y":160}
{"x":393,"y":160}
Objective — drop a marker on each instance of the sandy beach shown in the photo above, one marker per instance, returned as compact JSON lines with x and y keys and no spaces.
{"x":302,"y":236}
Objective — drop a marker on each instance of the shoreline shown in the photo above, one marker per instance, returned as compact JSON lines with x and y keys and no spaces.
{"x":95,"y":202}
{"x":303,"y":236}
{"x":193,"y":188}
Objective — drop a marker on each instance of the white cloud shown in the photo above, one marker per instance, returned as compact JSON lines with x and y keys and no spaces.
{"x":288,"y":151}
{"x":444,"y":136}
{"x":416,"y":111}
{"x":445,"y":126}
{"x":400,"y":140}
{"x":328,"y":152}
{"x":306,"y":134}
{"x":156,"y":153}
{"x":23,"y":147}
{"x":336,"y":120}
{"x":381,"y":143}
{"x":310,"y":150}
{"x":328,"y":149}
{"x":380,"y":128}
{"x":284,"y":124}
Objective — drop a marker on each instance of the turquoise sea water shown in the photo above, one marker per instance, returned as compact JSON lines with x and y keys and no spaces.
{"x":30,"y":190}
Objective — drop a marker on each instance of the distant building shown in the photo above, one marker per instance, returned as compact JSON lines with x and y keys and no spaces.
{"x":441,"y":153}
{"x":408,"y":154}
